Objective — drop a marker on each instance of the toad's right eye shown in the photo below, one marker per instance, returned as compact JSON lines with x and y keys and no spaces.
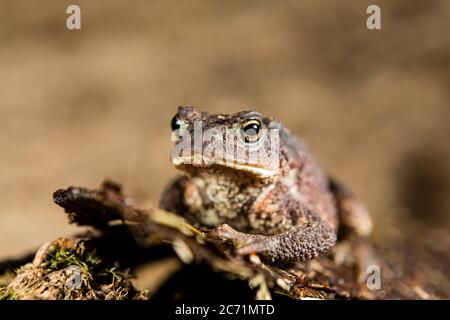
{"x":175,"y":124}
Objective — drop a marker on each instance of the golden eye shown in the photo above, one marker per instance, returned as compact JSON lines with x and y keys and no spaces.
{"x":250,"y":130}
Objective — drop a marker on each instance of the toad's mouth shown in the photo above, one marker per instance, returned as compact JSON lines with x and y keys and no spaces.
{"x":187,"y":163}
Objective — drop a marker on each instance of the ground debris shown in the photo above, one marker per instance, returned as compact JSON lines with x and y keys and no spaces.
{"x":65,"y":269}
{"x":133,"y":235}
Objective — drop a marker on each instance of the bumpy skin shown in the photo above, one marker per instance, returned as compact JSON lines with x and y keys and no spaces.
{"x":285,"y":214}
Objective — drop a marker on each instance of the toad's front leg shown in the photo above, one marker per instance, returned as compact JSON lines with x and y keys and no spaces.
{"x":302,"y":243}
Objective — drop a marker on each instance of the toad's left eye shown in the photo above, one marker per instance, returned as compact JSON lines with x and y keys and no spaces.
{"x":250,"y":130}
{"x":175,"y":124}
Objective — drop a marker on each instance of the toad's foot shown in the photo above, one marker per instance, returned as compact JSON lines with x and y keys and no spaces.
{"x":300,"y":244}
{"x":243,"y":242}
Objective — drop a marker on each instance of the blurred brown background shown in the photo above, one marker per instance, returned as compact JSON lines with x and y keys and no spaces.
{"x":78,"y":106}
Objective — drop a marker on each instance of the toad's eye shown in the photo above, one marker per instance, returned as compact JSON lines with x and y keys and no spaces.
{"x":250,"y":130}
{"x":176,"y":123}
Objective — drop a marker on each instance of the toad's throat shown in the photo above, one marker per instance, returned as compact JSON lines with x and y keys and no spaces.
{"x":200,"y":161}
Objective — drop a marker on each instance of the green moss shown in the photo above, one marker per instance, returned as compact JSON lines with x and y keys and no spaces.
{"x":98,"y":279}
{"x":60,"y":258}
{"x":116,"y":277}
{"x":8,"y":294}
{"x":6,"y":278}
